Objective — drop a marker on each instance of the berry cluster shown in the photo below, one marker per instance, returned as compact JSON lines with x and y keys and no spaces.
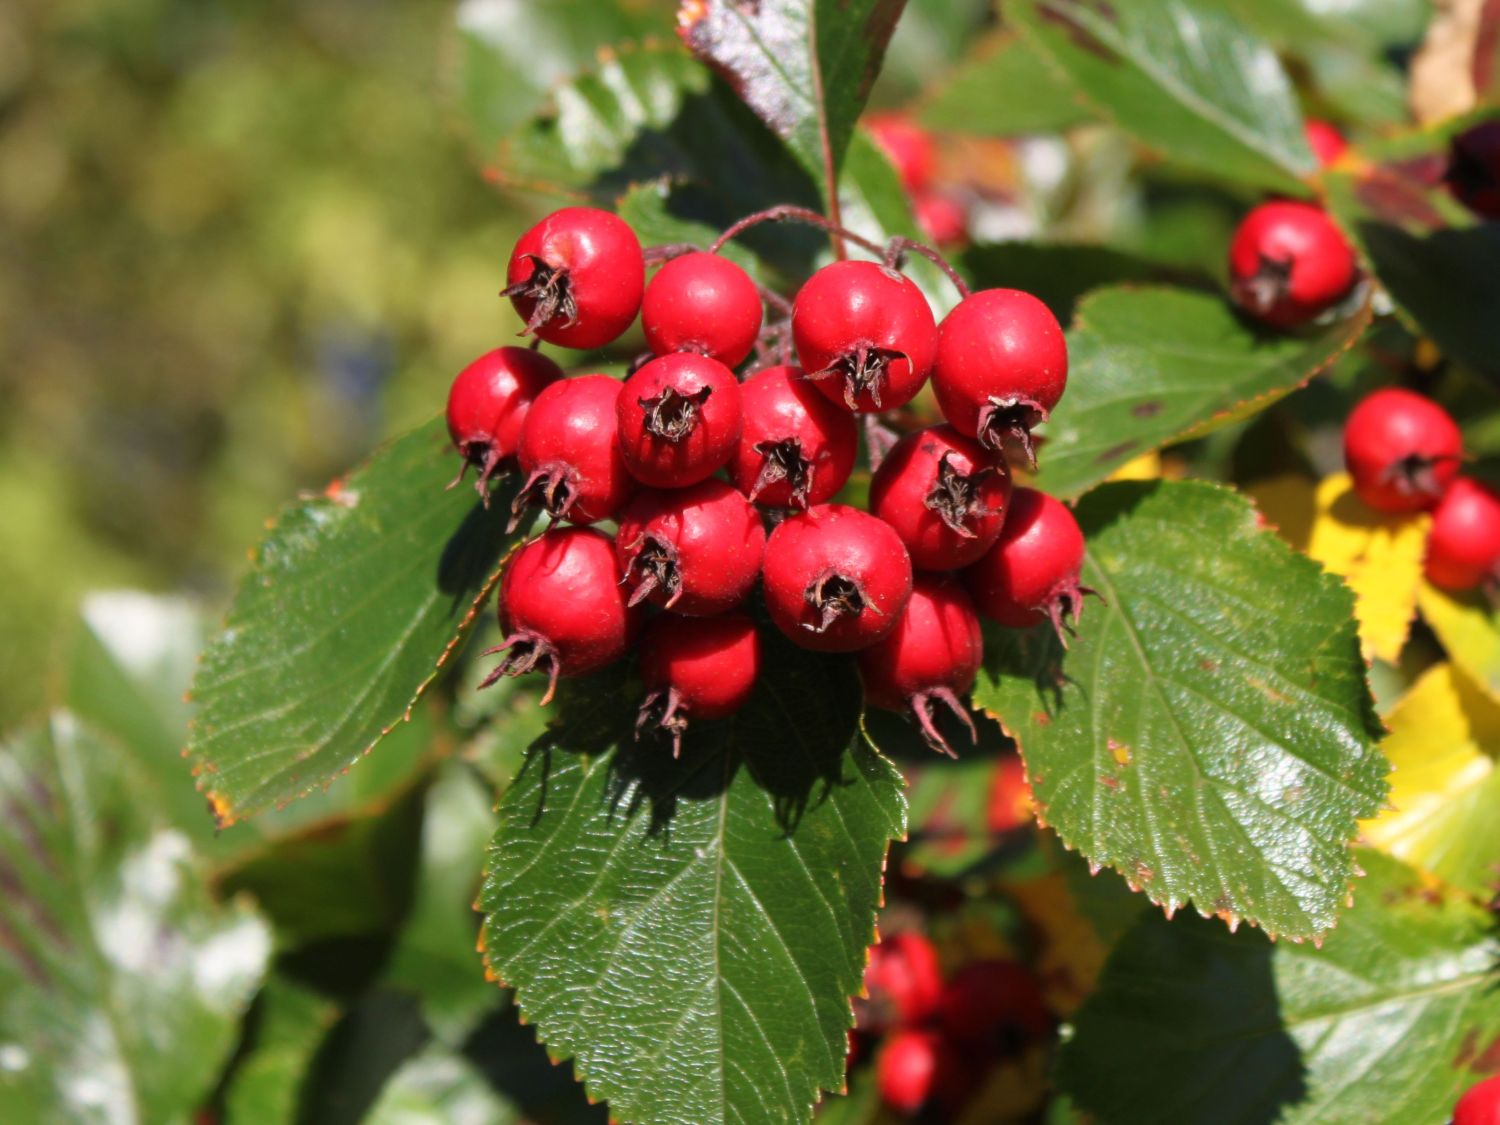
{"x":933,"y":1039}
{"x":1403,"y":452}
{"x":690,"y":461}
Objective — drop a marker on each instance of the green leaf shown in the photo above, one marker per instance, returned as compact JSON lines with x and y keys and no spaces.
{"x":1060,"y":274}
{"x":690,"y":931}
{"x":1187,"y":80}
{"x":1209,"y":733}
{"x":804,"y":66}
{"x":1149,"y":366}
{"x":290,"y":1023}
{"x":355,"y":601}
{"x":121,"y":982}
{"x":440,"y":1087}
{"x":1004,"y":88}
{"x":1381,"y":1024}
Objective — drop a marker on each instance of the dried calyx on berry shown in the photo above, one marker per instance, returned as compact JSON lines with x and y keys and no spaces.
{"x":487,"y":405}
{"x":1289,"y":263}
{"x":796,"y":448}
{"x":577,"y":277}
{"x":699,"y":668}
{"x":570,"y":453}
{"x":696,"y":551}
{"x":679,"y":419}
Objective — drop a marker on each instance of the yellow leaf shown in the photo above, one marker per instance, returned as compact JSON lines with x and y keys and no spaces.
{"x":1444,"y":743}
{"x":1379,"y":555}
{"x":1469,"y":627}
{"x":1145,"y":467}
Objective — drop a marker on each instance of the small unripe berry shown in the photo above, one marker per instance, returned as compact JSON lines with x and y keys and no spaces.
{"x":908,"y":147}
{"x":561,"y":607}
{"x":930,"y":657}
{"x":1001,"y":366}
{"x":1031,"y":573}
{"x":576,"y":277}
{"x":945,"y":496}
{"x":1289,"y":263}
{"x":696,"y":550}
{"x":487,"y":404}
{"x":1402,"y":450}
{"x":796,"y":448}
{"x":702,"y":303}
{"x":699,"y":668}
{"x":995,"y":1008}
{"x":1326,"y":142}
{"x":904,"y":982}
{"x":864,"y":335}
{"x":1480,"y":1104}
{"x":570,"y":453}
{"x":835,"y":578}
{"x":1463,"y":547}
{"x":679,"y":419}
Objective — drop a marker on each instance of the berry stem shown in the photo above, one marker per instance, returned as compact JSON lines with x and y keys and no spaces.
{"x":899,"y":247}
{"x":656,"y":255}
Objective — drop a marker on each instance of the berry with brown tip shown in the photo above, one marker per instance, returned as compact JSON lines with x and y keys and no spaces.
{"x":1402,"y":450}
{"x":576,"y":277}
{"x":679,"y":419}
{"x":487,"y":405}
{"x":702,"y":303}
{"x":570,"y":453}
{"x":700,"y":668}
{"x":796,"y":448}
{"x":1289,"y":263}
{"x":1031,"y":573}
{"x":696,"y":551}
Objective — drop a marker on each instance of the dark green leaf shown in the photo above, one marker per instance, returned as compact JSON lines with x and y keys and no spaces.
{"x":290,"y":1023}
{"x":1209,"y":733}
{"x":1060,"y":274}
{"x":121,"y":982}
{"x":1149,"y":366}
{"x":355,"y":601}
{"x":1188,"y":80}
{"x":1193,"y":1024}
{"x":1004,"y":88}
{"x":690,"y":931}
{"x":804,"y":66}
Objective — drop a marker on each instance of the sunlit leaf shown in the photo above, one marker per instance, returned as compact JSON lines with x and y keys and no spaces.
{"x":1469,"y":627}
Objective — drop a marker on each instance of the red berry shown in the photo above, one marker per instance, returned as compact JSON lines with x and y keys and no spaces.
{"x":570,"y":452}
{"x":695,"y":550}
{"x":679,"y":419}
{"x":1326,"y":142}
{"x":916,"y":1070}
{"x":1402,"y":450}
{"x":576,"y":277}
{"x":1031,"y":573}
{"x":796,"y":448}
{"x":995,"y":1008}
{"x":930,"y":657}
{"x":835,"y":578}
{"x":904,"y":981}
{"x":1463,"y":547}
{"x":1288,"y":263}
{"x":1474,"y":168}
{"x":703,"y":668}
{"x":864,"y":335}
{"x":1010,"y":796}
{"x":944,"y":494}
{"x":702,"y":303}
{"x":561,"y":607}
{"x":941,"y":218}
{"x":488,"y":403}
{"x":1002,"y":365}
{"x":907,"y":146}
{"x":1480,"y":1104}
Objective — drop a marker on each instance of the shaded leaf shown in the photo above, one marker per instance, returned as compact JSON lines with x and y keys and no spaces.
{"x":1150,"y":365}
{"x":440,"y":1087}
{"x":1210,"y":733}
{"x":1003,"y":88}
{"x":290,"y":1023}
{"x":690,"y":931}
{"x":1381,"y":1024}
{"x":1377,"y":554}
{"x":804,"y":66}
{"x":121,"y":981}
{"x":355,"y":601}
{"x":1444,"y":747}
{"x":1469,"y":627}
{"x":1059,"y":274}
{"x":1188,"y":80}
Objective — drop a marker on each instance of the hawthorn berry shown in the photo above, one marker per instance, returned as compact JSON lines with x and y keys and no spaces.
{"x":696,"y":550}
{"x":1474,"y":168}
{"x":1480,"y":1104}
{"x":561,"y":607}
{"x":994,"y":1008}
{"x":903,"y":982}
{"x":570,"y":453}
{"x":1288,"y":263}
{"x":703,"y":668}
{"x":908,"y":147}
{"x":796,"y":448}
{"x":702,"y":303}
{"x":1031,"y":573}
{"x":930,"y":657}
{"x":945,"y":496}
{"x":679,"y":419}
{"x":576,"y":277}
{"x":864,"y":334}
{"x":1001,"y":366}
{"x":488,"y":403}
{"x":918,"y":1070}
{"x":1010,"y":804}
{"x":1463,"y":547}
{"x":1325,"y":140}
{"x":835,"y":578}
{"x":1401,"y":449}
{"x":941,"y":218}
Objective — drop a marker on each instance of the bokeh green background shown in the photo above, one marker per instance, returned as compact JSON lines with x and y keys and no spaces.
{"x":240,"y":242}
